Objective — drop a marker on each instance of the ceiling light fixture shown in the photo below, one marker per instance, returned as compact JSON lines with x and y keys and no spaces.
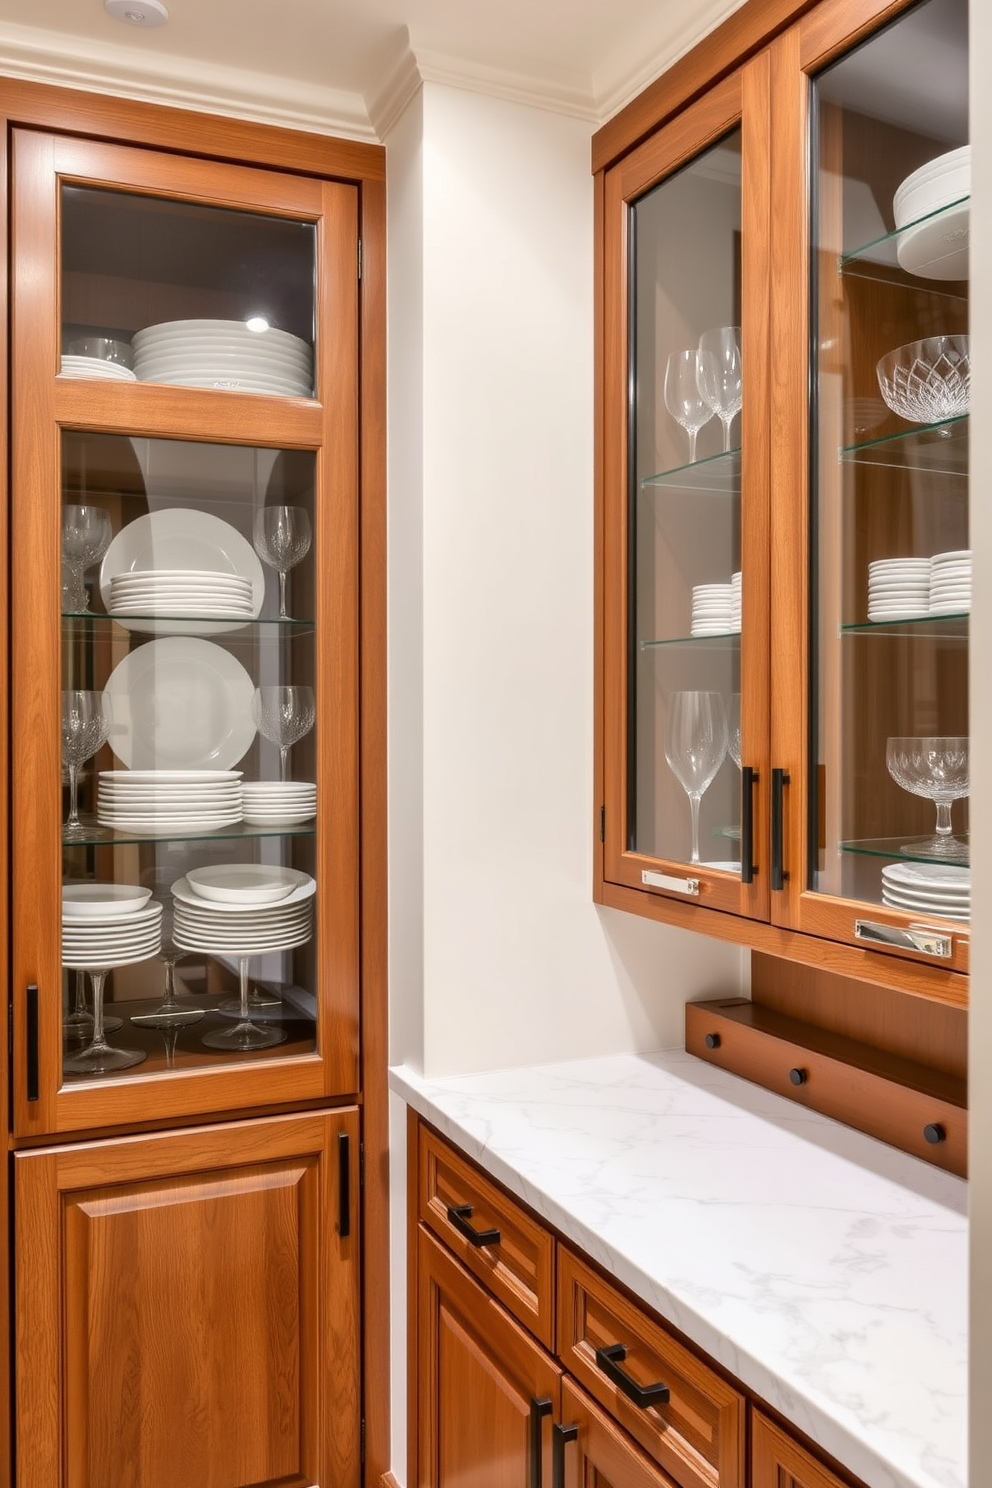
{"x":146,"y":13}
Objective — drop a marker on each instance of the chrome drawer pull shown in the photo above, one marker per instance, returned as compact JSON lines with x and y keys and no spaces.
{"x":609,"y":1359}
{"x":915,"y":938}
{"x":666,"y":881}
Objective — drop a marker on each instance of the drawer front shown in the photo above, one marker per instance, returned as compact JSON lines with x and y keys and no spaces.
{"x":697,"y":1433}
{"x":516,"y":1262}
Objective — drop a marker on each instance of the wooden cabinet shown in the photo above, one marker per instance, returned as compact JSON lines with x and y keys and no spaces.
{"x":593,"y":1449}
{"x":777,"y":1461}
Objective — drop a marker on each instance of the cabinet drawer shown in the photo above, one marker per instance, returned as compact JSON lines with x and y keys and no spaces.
{"x":697,"y":1433}
{"x":517,"y":1264}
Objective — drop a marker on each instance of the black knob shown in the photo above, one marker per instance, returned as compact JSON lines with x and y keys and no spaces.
{"x":935,"y":1133}
{"x":798,"y":1076}
{"x":712,"y":1041}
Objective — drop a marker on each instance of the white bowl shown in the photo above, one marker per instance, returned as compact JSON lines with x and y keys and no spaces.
{"x":933,"y":186}
{"x":87,"y":901}
{"x":244,"y":883}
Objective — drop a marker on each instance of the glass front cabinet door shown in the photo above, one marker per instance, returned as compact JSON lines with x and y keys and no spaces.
{"x":184,"y":632}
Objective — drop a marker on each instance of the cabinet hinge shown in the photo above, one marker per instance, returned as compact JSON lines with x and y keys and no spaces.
{"x":602,"y":823}
{"x":359,"y":258}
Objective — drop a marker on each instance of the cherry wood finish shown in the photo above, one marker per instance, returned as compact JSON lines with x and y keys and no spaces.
{"x":601,"y":1455}
{"x":477,"y":1375}
{"x":188,"y":1309}
{"x":697,"y":1436}
{"x":518,"y":1268}
{"x":777,"y":1461}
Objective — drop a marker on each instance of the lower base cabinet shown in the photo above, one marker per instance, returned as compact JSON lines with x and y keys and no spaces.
{"x":591,"y":1451}
{"x":188,"y":1308}
{"x":780,"y":1462}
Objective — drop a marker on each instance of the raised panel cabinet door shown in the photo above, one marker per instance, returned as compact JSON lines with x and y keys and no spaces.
{"x":779,"y":1462}
{"x":487,"y":1394}
{"x":591,"y":1451}
{"x":187,"y":1309}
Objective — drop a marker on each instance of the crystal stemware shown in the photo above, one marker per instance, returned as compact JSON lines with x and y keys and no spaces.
{"x":86,"y":534}
{"x":695,"y":746}
{"x":78,"y":1023}
{"x":683,"y":398}
{"x":935,"y":767}
{"x":244,"y":1035}
{"x":170,"y":1011}
{"x":734,"y":728}
{"x":98,"y":1057}
{"x":86,"y":722}
{"x":719,"y":375}
{"x":282,"y":540}
{"x":283,"y":715}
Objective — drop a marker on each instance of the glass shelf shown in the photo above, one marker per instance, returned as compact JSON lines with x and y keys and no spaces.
{"x":879,"y":259}
{"x":97,"y":836}
{"x":728,"y":641}
{"x":940,"y":627}
{"x":939,"y":449}
{"x":891,"y":848}
{"x":232,"y":628}
{"x":718,"y":475}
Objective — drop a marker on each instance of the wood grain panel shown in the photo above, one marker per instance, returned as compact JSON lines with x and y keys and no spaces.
{"x":602,"y":1455}
{"x":778,"y":1461}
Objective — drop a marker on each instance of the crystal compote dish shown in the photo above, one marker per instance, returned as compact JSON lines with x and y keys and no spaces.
{"x":936,"y":768}
{"x":927,"y":381}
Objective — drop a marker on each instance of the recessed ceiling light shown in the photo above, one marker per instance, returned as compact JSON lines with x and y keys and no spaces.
{"x":145,"y":13}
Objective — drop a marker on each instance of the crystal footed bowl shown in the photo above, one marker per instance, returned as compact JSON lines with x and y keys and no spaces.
{"x":929,"y":380}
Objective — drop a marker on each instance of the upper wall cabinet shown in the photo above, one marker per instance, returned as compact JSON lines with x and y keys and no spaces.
{"x":184,"y":636}
{"x":784,"y":464}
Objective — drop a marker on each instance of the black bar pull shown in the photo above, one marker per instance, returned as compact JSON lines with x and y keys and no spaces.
{"x":538,"y":1410}
{"x":460,"y":1214}
{"x":609,"y":1360}
{"x":344,"y":1181}
{"x":749,"y":779}
{"x":780,"y":779}
{"x":31,"y":1041}
{"x":560,"y":1438}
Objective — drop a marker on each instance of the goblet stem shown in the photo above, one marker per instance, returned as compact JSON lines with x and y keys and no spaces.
{"x":282,"y":595}
{"x":694,"y":799}
{"x":726,"y":433}
{"x":283,"y":757}
{"x":99,"y":1040}
{"x":692,"y":445}
{"x":943,"y":818}
{"x":73,"y":827}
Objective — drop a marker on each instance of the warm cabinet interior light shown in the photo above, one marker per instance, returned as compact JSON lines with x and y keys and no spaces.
{"x":257,"y":323}
{"x":137,"y":12}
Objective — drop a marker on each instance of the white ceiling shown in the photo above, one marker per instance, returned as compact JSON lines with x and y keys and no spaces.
{"x":330,"y":64}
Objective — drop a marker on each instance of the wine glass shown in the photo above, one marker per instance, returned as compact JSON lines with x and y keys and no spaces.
{"x":695,"y":746}
{"x":719,"y":375}
{"x":78,"y":1023}
{"x":98,"y":1057}
{"x":282,"y":540}
{"x":170,"y":1012}
{"x":683,"y":399}
{"x":734,"y":728}
{"x":245,"y":1034}
{"x":86,"y":534}
{"x":936,"y":768}
{"x":283,"y":715}
{"x":86,"y":722}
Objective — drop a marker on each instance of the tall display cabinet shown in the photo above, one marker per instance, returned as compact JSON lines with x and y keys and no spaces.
{"x":196,"y":753}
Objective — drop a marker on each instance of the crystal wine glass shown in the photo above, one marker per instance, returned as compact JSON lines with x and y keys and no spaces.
{"x":719,"y":375}
{"x":86,"y":722}
{"x":170,"y":1012}
{"x":86,"y":534}
{"x":78,"y":1023}
{"x":98,"y":1058}
{"x":734,"y":728}
{"x":695,"y":746}
{"x":283,"y":715}
{"x":282,"y":540}
{"x":683,"y":398}
{"x":244,"y":1035}
{"x":936,"y":768}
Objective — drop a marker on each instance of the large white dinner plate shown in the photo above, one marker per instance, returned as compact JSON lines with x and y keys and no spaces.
{"x":72,"y":962}
{"x":929,"y":875}
{"x":165,"y":800}
{"x":236,"y":328}
{"x":181,"y":537}
{"x":182,"y":891}
{"x":193,"y":353}
{"x":83,"y":366}
{"x":244,"y":381}
{"x":230,"y":364}
{"x":180,"y":702}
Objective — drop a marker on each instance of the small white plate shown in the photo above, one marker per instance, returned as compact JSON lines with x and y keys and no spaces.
{"x":87,"y":901}
{"x":244,"y":883}
{"x":181,"y":890}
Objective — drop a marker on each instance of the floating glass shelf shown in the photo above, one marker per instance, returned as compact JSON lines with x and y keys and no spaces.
{"x":730,"y":641}
{"x":940,"y":449}
{"x":939,"y":627}
{"x":94,"y":835}
{"x":891,"y":848}
{"x":879,"y":259}
{"x":717,"y":475}
{"x":232,"y":628}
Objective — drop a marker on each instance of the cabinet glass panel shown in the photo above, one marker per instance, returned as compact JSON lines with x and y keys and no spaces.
{"x":188,"y":753}
{"x":891,"y":565}
{"x":684,"y":570}
{"x":174,"y":292}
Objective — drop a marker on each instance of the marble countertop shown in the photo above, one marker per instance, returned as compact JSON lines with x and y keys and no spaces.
{"x":824,"y":1269}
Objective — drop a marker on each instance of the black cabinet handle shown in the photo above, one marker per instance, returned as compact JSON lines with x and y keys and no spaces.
{"x":560,"y":1438}
{"x":609,"y":1359}
{"x":780,"y":779}
{"x":460,"y":1214}
{"x":935,"y":1133}
{"x":344,"y":1181}
{"x":31,"y":1041}
{"x":749,"y":779}
{"x":538,"y":1410}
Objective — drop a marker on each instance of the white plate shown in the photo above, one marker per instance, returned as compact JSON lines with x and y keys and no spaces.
{"x":937,"y":248}
{"x":88,"y":901}
{"x":180,"y":701}
{"x":278,"y":787}
{"x":172,"y":777}
{"x":106,"y":963}
{"x":928,"y":875}
{"x":953,"y":555}
{"x":80,"y":366}
{"x":200,"y":927}
{"x":961,"y":916}
{"x":182,"y":891}
{"x":175,"y":797}
{"x":180,"y":536}
{"x":882,"y":565}
{"x":932,"y":185}
{"x":150,"y":368}
{"x":244,"y":883}
{"x":116,"y":944}
{"x":133,"y":919}
{"x":204,"y":327}
{"x":243,"y":382}
{"x":295,"y":819}
{"x":205,"y":355}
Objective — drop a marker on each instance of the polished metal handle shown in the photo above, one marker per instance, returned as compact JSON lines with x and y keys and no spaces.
{"x":780,"y":779}
{"x":915,"y":938}
{"x":560,"y":1438}
{"x":538,"y":1410}
{"x":460,"y":1214}
{"x":749,"y":779}
{"x":667,"y":881}
{"x":609,"y":1360}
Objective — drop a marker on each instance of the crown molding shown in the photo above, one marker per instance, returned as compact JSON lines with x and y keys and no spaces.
{"x":39,"y":56}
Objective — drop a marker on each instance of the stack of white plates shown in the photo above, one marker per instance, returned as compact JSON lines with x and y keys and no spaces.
{"x":928,"y":888}
{"x":278,"y":802}
{"x":227,"y":911}
{"x":224,"y":354}
{"x":713,"y":609}
{"x":173,"y":591}
{"x":107,"y":925}
{"x":936,"y":248}
{"x":950,"y":583}
{"x":898,"y":588}
{"x":84,"y":366}
{"x":735,"y":601}
{"x":169,"y":801}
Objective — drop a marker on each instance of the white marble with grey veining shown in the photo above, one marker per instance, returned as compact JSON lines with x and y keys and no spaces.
{"x":824,"y":1269}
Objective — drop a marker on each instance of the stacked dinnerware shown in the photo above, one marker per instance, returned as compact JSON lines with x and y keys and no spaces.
{"x":108,"y":925}
{"x":735,"y":601}
{"x":243,"y":909}
{"x":950,"y":583}
{"x":224,"y":354}
{"x":928,"y":888}
{"x":898,"y":588}
{"x":278,"y":802}
{"x":713,"y":609}
{"x":181,"y":592}
{"x":935,"y":199}
{"x":89,"y":366}
{"x":169,"y":801}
